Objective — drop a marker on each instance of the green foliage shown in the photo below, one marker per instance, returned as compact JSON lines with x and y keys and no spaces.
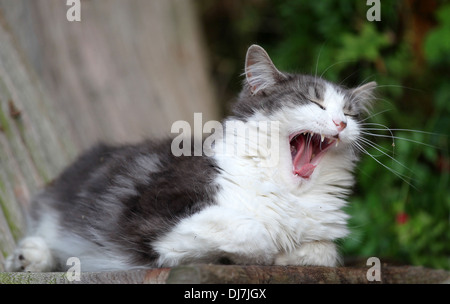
{"x":437,"y":45}
{"x":402,"y":214}
{"x":365,"y":45}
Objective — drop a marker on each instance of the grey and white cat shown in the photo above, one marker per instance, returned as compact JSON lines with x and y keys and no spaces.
{"x":132,"y":206}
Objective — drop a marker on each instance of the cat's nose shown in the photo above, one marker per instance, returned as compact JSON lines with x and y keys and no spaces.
{"x":340,"y":124}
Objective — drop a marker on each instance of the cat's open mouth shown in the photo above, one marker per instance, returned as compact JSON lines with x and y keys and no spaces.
{"x":307,"y":149}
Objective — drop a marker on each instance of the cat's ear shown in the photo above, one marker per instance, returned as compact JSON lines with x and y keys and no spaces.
{"x":364,"y":95}
{"x":365,"y":90}
{"x":260,"y":72}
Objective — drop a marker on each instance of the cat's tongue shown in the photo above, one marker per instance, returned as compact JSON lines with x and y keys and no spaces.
{"x":306,"y":170}
{"x":302,"y":158}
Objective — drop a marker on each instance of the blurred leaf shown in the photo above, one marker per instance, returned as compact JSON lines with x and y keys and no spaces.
{"x":437,"y":44}
{"x":365,"y":45}
{"x":442,"y":96}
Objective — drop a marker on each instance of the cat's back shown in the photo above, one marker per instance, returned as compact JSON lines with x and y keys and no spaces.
{"x":134,"y":170}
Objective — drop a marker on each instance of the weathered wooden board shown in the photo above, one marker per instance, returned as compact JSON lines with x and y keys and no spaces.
{"x":125,"y":72}
{"x":235,"y":274}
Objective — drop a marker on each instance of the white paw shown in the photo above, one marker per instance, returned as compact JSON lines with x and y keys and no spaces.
{"x":31,"y":255}
{"x":318,"y":253}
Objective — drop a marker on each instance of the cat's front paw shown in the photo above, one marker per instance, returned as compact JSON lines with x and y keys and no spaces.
{"x":318,"y":253}
{"x":31,"y":255}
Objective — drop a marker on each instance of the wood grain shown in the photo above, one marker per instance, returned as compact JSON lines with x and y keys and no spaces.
{"x":236,"y":274}
{"x":125,"y":72}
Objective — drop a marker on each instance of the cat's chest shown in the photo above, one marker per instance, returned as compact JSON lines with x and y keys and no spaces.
{"x":257,"y":196}
{"x":264,"y":196}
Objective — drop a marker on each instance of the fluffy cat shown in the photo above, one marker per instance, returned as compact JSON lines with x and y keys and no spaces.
{"x":132,"y":206}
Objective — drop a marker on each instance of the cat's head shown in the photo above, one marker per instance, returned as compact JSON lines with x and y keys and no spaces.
{"x":318,"y":120}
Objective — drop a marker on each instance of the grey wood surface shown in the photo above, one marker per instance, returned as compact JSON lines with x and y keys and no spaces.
{"x":125,"y":72}
{"x":236,"y":274}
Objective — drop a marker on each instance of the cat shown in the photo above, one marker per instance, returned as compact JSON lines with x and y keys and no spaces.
{"x":138,"y":206}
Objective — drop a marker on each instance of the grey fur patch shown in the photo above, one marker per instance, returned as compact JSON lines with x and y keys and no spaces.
{"x":294,"y":90}
{"x":122,"y":198}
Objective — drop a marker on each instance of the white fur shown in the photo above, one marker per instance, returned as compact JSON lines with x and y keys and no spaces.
{"x":46,"y":247}
{"x":266,"y":215}
{"x":31,"y":255}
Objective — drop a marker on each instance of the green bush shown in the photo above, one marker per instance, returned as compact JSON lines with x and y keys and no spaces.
{"x":401,"y":213}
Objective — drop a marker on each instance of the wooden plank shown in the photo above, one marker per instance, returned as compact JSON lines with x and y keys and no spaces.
{"x":30,"y":149}
{"x":236,"y":274}
{"x":150,"y":276}
{"x":126,"y":72}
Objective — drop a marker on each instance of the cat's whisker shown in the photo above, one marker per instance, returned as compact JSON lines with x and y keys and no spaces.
{"x":336,"y":63}
{"x":373,"y":115}
{"x":396,"y":173}
{"x":400,"y":138}
{"x":377,"y":145}
{"x":373,"y":145}
{"x":343,"y":80}
{"x":376,"y":124}
{"x":399,"y":86}
{"x":318,"y":59}
{"x":384,"y":136}
{"x":405,"y":130}
{"x":385,"y":128}
{"x":368,"y":127}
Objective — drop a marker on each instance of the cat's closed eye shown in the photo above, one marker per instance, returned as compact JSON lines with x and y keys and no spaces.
{"x":318,"y":104}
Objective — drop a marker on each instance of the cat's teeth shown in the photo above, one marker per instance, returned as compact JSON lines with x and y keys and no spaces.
{"x":322,"y":138}
{"x":337,"y":142}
